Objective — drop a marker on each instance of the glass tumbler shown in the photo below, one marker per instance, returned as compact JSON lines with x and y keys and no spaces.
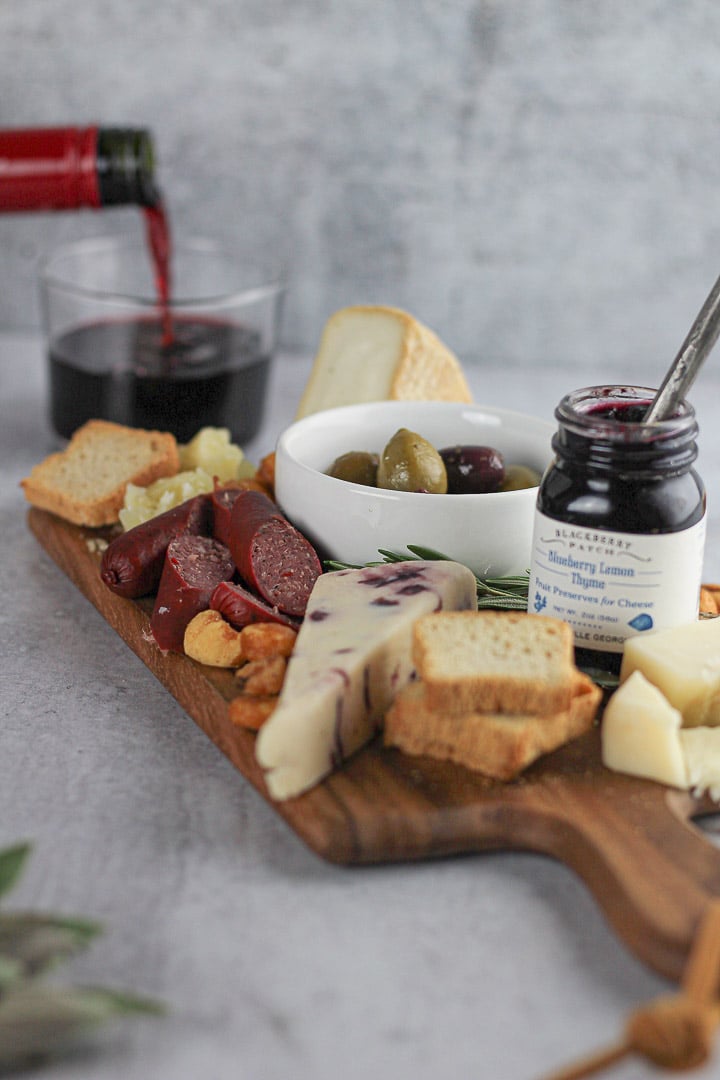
{"x":118,"y":351}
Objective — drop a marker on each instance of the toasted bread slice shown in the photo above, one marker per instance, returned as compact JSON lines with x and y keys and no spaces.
{"x":498,"y":745}
{"x":85,"y":483}
{"x":376,"y":353}
{"x":495,"y":661}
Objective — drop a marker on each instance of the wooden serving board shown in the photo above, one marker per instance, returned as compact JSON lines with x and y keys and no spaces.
{"x":631,"y":841}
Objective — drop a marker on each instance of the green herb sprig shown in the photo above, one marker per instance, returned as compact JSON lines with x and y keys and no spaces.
{"x":504,"y":593}
{"x":38,"y":1020}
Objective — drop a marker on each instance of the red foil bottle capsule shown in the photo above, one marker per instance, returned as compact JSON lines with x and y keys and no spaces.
{"x":620,"y":522}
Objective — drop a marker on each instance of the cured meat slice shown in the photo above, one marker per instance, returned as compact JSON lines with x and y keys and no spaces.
{"x":194,"y":566}
{"x":273,"y":558}
{"x":241,"y":607}
{"x":222,"y":500}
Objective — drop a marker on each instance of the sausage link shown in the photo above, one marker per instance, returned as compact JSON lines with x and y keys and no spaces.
{"x":132,"y":563}
{"x":222,"y":500}
{"x":241,"y":607}
{"x":272,"y":557}
{"x":222,"y":504}
{"x":194,"y":566}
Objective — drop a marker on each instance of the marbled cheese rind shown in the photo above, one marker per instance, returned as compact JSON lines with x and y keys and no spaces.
{"x":353,"y":653}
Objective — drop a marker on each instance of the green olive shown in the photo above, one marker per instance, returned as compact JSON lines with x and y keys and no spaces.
{"x":411,"y":463}
{"x":519,"y":476}
{"x":357,"y":467}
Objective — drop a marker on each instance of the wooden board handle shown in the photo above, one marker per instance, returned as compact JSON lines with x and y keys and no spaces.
{"x":650,"y":869}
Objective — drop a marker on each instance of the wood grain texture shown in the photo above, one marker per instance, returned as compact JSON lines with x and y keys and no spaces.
{"x":631,"y":841}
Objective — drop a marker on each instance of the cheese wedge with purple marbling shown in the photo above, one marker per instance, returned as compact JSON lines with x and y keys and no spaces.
{"x":352,"y":655}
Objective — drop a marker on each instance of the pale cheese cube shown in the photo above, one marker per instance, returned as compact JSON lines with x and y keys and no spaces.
{"x":701,"y":747}
{"x":213,"y":451}
{"x":684,"y":663}
{"x":641,"y":734}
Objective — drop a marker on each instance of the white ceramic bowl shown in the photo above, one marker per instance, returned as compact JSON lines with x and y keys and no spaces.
{"x":491,"y":533}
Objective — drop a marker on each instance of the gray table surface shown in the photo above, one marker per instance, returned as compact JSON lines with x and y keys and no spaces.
{"x":272,"y":963}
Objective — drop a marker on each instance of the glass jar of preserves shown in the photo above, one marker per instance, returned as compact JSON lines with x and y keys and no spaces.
{"x":620,"y":522}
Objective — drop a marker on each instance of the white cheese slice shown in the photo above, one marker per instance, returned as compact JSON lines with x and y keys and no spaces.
{"x":641,"y":734}
{"x":684,"y":663}
{"x":701,"y":747}
{"x":372,"y":353}
{"x":352,"y":654}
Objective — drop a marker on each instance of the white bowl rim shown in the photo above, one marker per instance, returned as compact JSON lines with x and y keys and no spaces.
{"x":299,"y":427}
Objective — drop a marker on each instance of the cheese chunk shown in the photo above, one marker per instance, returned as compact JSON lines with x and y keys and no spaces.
{"x":352,"y":654}
{"x":684,"y":663}
{"x":641,"y":734}
{"x":380,"y":354}
{"x":701,"y":747}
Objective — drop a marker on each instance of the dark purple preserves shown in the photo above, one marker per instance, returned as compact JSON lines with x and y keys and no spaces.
{"x":241,"y":607}
{"x":194,"y":567}
{"x":132,"y":563}
{"x":612,"y":471}
{"x":272,"y":557}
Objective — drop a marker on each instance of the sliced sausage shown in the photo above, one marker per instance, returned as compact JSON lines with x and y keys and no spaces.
{"x":241,"y":607}
{"x":132,"y":563}
{"x":272,"y":557}
{"x":222,"y":500}
{"x":194,"y":566}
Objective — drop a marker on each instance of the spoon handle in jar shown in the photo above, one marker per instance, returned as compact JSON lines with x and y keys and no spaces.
{"x":694,"y":350}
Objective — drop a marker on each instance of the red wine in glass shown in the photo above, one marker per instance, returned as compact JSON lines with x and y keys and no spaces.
{"x":164,"y":371}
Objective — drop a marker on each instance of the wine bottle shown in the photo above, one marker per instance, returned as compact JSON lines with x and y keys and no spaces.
{"x":66,"y":168}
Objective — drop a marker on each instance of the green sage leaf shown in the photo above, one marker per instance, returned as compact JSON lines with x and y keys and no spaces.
{"x":12,"y":863}
{"x":11,"y":971}
{"x":39,"y":1021}
{"x":34,"y":943}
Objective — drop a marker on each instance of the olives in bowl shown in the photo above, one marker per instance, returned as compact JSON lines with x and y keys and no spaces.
{"x":352,"y":522}
{"x":473,"y":470}
{"x":410,"y":463}
{"x":356,"y":467}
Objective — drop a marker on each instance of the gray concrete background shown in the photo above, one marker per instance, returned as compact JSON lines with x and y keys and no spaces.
{"x":536,"y":180}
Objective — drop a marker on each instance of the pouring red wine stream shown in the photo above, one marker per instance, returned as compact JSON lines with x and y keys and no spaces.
{"x":157,"y":231}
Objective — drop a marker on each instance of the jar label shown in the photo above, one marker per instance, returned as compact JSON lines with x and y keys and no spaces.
{"x":611,"y":585}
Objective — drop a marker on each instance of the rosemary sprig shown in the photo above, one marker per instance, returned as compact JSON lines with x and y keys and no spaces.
{"x":504,"y":593}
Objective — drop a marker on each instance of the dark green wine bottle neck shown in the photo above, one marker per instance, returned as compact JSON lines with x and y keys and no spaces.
{"x":126,"y":167}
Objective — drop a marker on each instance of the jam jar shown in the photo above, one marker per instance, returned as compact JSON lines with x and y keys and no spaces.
{"x":619,"y":523}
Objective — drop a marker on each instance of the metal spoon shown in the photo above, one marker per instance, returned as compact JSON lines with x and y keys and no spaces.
{"x":694,"y":350}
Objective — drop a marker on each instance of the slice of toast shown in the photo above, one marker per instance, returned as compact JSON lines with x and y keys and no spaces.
{"x":495,"y":662}
{"x":498,"y":745}
{"x":85,"y":483}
